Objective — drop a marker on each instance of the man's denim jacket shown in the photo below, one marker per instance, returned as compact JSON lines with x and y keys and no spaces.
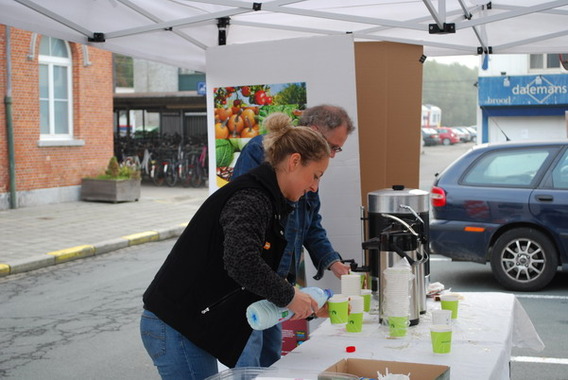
{"x":303,"y":226}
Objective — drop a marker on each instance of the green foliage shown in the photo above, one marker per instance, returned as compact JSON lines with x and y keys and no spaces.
{"x":116,"y":171}
{"x":147,"y":134}
{"x":113,"y":168}
{"x":130,"y":172}
{"x":123,"y":71}
{"x":224,"y":152}
{"x":288,"y":109}
{"x":452,"y":88}
{"x":292,"y":94}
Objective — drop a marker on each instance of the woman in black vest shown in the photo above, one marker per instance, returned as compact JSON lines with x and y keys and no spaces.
{"x":227,"y":258}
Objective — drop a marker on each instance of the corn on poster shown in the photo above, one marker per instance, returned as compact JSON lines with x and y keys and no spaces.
{"x":239,"y":115}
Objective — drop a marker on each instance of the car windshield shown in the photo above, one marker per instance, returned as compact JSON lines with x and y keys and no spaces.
{"x":507,"y":168}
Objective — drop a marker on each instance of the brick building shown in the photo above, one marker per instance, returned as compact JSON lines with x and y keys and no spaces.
{"x":61,"y":117}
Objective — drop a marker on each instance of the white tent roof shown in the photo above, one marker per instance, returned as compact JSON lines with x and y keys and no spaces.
{"x":178,"y":32}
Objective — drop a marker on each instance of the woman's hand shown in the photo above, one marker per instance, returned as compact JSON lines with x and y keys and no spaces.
{"x":303,"y":305}
{"x":323,"y":312}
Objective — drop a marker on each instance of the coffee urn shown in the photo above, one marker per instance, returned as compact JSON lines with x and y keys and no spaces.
{"x":396,"y":227}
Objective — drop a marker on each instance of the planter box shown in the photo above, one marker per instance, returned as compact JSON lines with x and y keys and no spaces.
{"x":110,"y":190}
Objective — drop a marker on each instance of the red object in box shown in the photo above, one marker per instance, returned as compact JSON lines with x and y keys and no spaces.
{"x":294,"y":333}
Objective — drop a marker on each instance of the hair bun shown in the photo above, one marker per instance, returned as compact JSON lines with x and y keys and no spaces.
{"x":278,"y":123}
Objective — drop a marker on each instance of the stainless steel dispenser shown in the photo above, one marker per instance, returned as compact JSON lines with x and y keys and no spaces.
{"x":397,"y":226}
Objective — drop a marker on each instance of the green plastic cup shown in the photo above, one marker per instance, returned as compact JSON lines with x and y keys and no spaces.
{"x":450,"y":302}
{"x":398,"y":326}
{"x":354,"y":322}
{"x":441,"y":338}
{"x":366,"y":294}
{"x":338,"y":307}
{"x":364,"y":280}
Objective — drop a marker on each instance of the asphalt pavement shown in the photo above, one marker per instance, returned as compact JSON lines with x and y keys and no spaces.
{"x":42,"y":236}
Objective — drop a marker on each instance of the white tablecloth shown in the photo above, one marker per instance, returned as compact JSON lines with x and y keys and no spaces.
{"x":488,"y":326}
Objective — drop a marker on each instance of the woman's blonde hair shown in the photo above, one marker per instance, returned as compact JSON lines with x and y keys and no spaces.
{"x":284,"y":139}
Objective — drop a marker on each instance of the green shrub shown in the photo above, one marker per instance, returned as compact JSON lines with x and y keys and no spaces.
{"x":122,"y":171}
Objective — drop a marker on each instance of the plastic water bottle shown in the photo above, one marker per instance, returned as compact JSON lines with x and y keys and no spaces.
{"x":264,"y":314}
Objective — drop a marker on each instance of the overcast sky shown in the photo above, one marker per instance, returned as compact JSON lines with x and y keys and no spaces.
{"x":470,"y":61}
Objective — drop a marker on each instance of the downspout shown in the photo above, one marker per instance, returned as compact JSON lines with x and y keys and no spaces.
{"x":9,"y":126}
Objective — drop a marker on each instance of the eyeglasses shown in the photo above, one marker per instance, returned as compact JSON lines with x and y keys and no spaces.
{"x":335,"y":148}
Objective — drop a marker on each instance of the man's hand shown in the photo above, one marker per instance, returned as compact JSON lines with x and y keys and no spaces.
{"x":339,"y":269}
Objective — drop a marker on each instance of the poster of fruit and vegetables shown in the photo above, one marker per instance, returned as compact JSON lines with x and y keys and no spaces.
{"x":239,"y":115}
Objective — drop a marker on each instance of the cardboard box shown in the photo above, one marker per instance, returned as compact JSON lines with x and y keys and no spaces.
{"x":367,"y":368}
{"x":294,"y":333}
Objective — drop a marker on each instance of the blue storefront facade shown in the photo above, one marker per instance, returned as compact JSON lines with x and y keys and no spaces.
{"x":523,"y":107}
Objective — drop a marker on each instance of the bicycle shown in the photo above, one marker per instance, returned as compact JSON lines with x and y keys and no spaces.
{"x":182,"y":167}
{"x":148,"y":165}
{"x":170,"y":172}
{"x":198,"y":166}
{"x":165,"y":172}
{"x":159,"y":169}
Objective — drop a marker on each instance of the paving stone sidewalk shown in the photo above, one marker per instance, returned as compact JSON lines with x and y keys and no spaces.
{"x":35,"y":237}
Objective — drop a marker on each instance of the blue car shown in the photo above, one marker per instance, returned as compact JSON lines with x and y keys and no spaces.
{"x":506,"y":204}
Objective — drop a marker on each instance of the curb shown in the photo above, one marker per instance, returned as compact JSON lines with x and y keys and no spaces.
{"x":84,"y":251}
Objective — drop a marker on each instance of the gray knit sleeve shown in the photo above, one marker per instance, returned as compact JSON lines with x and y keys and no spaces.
{"x":245,"y":219}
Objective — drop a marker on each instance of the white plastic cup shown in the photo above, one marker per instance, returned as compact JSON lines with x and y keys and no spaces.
{"x":441,"y":317}
{"x":357,"y":304}
{"x":355,"y":318}
{"x":351,"y":284}
{"x":396,"y":296}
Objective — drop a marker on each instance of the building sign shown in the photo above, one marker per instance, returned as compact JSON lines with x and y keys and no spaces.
{"x":523,"y":90}
{"x":201,"y":88}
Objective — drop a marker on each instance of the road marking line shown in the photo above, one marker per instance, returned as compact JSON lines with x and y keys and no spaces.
{"x":72,"y":253}
{"x":536,"y":359}
{"x":142,"y":237}
{"x":4,"y":269}
{"x":543,"y":296}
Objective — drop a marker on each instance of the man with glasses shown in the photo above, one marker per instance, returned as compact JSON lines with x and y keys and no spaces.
{"x":303,"y":226}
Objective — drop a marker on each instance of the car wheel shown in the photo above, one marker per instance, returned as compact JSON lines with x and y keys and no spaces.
{"x":524,"y":259}
{"x":446,"y":142}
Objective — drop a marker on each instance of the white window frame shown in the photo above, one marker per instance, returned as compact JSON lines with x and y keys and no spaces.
{"x":544,"y":67}
{"x":51,"y":62}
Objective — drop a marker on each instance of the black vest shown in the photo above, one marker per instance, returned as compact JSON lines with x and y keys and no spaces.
{"x":193,"y":293}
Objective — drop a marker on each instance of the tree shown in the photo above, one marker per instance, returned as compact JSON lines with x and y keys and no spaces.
{"x":292,"y":94}
{"x":123,"y":71}
{"x":453,"y":89}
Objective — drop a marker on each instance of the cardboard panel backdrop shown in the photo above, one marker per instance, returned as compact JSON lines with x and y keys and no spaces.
{"x":326,"y":66}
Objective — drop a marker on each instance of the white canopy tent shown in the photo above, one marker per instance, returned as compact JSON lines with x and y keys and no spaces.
{"x":178,"y":32}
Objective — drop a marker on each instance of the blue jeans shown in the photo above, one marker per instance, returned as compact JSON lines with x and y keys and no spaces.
{"x":173,"y":354}
{"x":263,"y":348}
